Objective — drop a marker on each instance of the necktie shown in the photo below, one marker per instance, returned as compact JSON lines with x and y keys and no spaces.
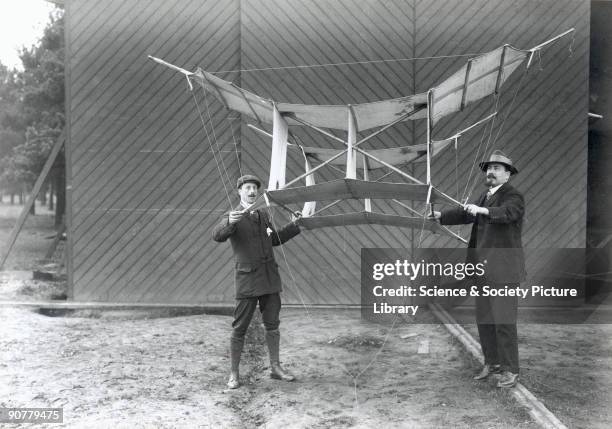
{"x":489,"y":195}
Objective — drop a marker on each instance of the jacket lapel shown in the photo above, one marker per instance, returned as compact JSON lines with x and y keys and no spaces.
{"x":482,"y":200}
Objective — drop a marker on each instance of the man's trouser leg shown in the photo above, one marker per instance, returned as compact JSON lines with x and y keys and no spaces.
{"x":270,"y":306}
{"x":243,"y":313}
{"x":505,"y":312}
{"x":486,"y":330}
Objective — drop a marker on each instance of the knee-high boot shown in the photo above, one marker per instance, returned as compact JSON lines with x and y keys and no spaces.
{"x":276,"y":371}
{"x":236,"y":345}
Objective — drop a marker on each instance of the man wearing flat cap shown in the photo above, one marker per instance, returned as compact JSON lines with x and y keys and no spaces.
{"x":252,"y":236}
{"x":497,"y":221}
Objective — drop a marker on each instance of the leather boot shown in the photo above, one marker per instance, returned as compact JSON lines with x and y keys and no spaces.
{"x":236,"y":345}
{"x":487,"y":370}
{"x":276,"y":371}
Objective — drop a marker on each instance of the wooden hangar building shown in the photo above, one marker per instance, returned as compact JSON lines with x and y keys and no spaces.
{"x":147,"y":174}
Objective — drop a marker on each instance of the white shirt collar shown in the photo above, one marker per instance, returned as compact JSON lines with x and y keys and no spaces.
{"x":494,"y":189}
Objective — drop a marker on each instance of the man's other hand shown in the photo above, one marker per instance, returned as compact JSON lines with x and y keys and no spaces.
{"x":435,"y":215}
{"x":295,"y":216}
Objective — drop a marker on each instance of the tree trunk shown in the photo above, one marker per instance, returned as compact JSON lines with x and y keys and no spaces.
{"x":42,"y":195}
{"x":25,"y":192}
{"x":12,"y":198}
{"x":52,"y":190}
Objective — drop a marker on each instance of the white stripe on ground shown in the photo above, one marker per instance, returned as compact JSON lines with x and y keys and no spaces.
{"x":536,"y":409}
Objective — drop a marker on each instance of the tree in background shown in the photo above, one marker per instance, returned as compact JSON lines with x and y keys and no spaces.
{"x":32,"y":114}
{"x":12,"y":129}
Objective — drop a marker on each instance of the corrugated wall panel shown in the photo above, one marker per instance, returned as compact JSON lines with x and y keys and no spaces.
{"x":146,"y":186}
{"x":147,"y":189}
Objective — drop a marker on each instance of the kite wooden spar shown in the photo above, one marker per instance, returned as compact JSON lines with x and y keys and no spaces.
{"x":480,"y":77}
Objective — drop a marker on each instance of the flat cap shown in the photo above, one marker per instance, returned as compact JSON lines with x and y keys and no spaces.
{"x":246,"y":179}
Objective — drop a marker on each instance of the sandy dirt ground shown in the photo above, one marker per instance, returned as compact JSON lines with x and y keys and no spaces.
{"x":569,"y":368}
{"x":145,"y":369}
{"x":140,"y":369}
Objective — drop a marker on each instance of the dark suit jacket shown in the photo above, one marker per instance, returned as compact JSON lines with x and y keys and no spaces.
{"x":252,"y":238}
{"x":501,"y":229}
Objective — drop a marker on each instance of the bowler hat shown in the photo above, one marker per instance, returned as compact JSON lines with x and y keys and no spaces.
{"x":498,"y":157}
{"x":248,"y":178}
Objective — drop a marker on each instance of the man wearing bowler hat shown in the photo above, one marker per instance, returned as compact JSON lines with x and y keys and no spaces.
{"x":252,"y":236}
{"x":497,"y":218}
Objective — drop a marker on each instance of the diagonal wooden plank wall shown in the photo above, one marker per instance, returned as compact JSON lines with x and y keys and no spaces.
{"x":146,"y":189}
{"x":146,"y":186}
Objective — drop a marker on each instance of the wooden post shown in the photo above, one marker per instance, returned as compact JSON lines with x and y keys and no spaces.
{"x":429,"y":148}
{"x":31,"y":199}
{"x":429,"y":130}
{"x":466,"y":83}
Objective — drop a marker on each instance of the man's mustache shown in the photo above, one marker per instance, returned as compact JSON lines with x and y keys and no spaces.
{"x":490,"y":176}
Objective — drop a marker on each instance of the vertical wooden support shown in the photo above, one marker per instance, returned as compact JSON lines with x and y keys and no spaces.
{"x":278,"y":159}
{"x":366,"y":177}
{"x":32,"y":198}
{"x":351,"y":153}
{"x":429,"y":145}
{"x":466,"y":81}
{"x":429,"y":130}
{"x":500,"y":73}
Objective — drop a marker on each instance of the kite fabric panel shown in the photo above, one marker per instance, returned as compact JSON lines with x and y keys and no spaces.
{"x":342,"y":189}
{"x":236,"y":98}
{"x":367,"y":115}
{"x":481,"y":76}
{"x":278,"y":159}
{"x":393,"y":156}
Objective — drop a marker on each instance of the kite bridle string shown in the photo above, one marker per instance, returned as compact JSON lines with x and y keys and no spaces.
{"x":211,"y":148}
{"x":354,"y":378}
{"x":465,"y":196}
{"x":212,"y":127}
{"x":235,"y":144}
{"x":499,"y":130}
{"x":350,"y":63}
{"x":294,"y":283}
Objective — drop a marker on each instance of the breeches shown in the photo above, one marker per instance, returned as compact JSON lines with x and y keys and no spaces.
{"x":269,"y":306}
